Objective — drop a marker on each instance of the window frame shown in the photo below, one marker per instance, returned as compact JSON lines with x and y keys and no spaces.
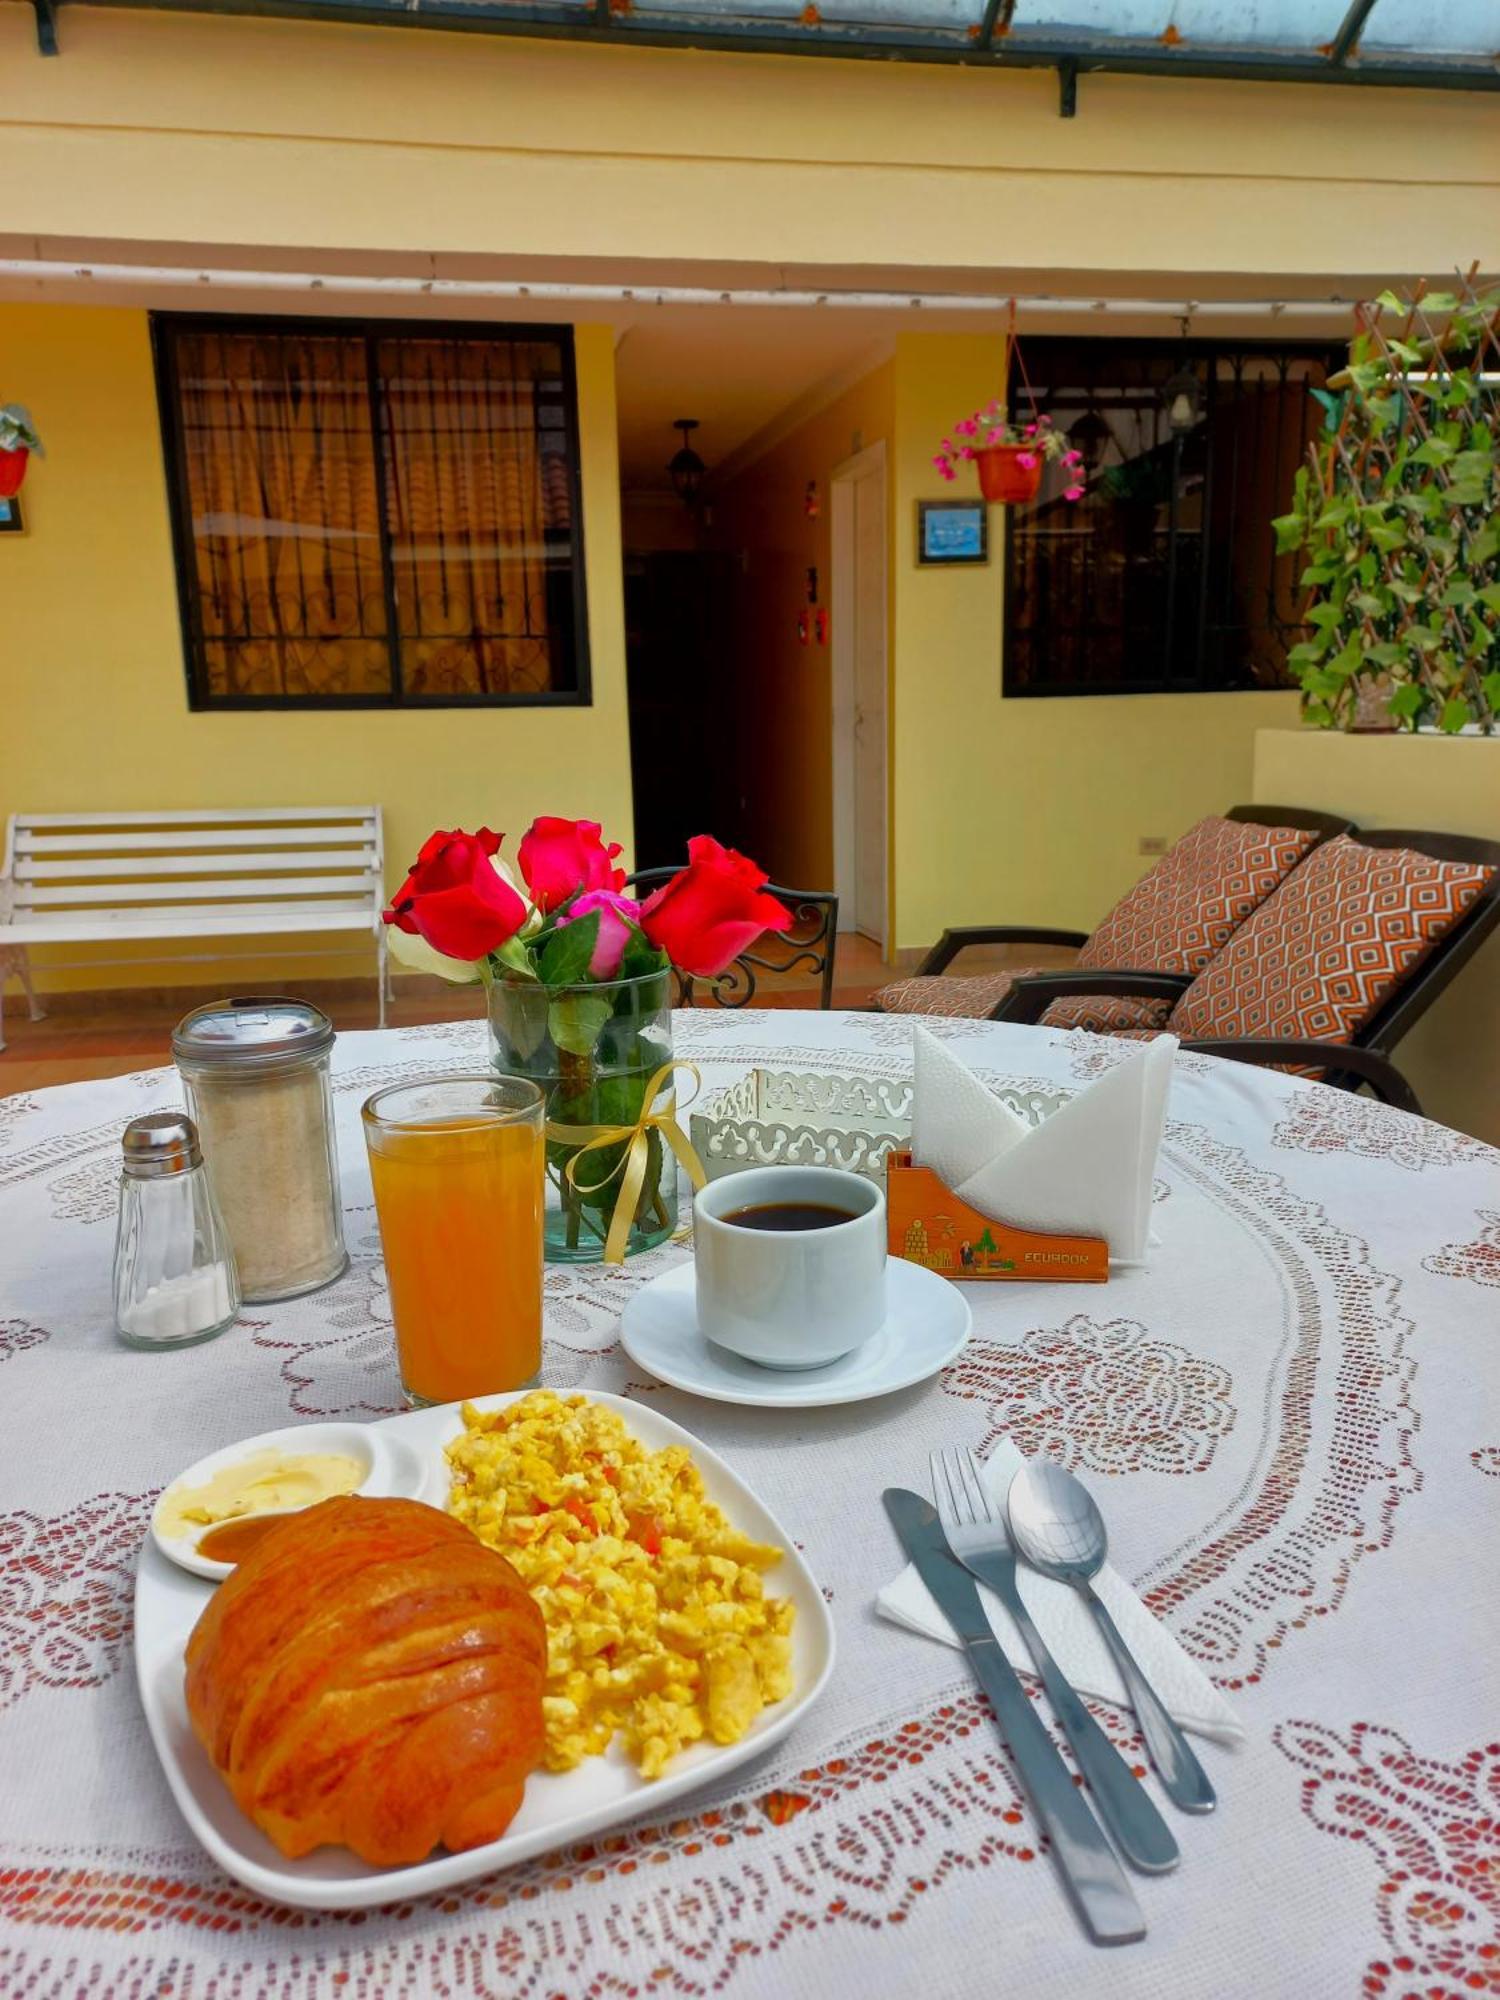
{"x":1220,"y":344}
{"x":163,"y":325}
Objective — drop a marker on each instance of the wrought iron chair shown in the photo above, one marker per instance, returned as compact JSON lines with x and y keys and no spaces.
{"x":809,"y":944}
{"x":959,"y":937}
{"x":1366,"y":1058}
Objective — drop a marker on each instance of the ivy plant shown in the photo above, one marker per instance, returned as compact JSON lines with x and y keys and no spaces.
{"x":1398,"y":510}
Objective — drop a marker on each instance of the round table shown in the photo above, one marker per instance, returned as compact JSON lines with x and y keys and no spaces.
{"x":1292,"y":1422}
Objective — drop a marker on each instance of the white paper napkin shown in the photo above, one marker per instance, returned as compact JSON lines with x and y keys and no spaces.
{"x":1086,"y":1171}
{"x":1068,"y":1627}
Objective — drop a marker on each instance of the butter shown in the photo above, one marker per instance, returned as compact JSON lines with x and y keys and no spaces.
{"x":264,"y":1482}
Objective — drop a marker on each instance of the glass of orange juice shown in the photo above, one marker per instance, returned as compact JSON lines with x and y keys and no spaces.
{"x":457,"y":1163}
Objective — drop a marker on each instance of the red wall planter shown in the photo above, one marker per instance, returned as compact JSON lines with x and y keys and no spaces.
{"x":1002,"y":477}
{"x":12,"y":471}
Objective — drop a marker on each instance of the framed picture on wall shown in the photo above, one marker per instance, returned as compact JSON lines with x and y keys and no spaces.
{"x":952,"y":531}
{"x":10,"y":516}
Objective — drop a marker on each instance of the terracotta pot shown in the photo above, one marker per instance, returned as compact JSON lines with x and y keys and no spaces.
{"x":1002,"y":477}
{"x":12,"y":470}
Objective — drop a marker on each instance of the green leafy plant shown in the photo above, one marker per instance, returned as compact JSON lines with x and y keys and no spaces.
{"x":1398,"y":509}
{"x":17,"y":431}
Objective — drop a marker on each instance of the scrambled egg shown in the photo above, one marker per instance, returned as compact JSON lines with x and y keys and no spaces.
{"x":657,"y":1623}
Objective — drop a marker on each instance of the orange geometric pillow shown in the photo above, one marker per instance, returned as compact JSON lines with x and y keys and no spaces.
{"x":1318,"y":959}
{"x":1180,"y":914}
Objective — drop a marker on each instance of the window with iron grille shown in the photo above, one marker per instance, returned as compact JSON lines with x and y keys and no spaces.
{"x":369,"y":514}
{"x":1164,"y":577}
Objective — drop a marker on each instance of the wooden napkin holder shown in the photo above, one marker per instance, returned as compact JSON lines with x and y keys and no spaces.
{"x":928,"y":1225}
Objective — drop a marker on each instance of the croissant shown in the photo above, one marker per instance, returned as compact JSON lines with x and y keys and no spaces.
{"x":371,"y":1675}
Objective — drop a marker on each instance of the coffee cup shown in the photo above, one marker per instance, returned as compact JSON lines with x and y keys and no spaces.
{"x":790,"y":1264}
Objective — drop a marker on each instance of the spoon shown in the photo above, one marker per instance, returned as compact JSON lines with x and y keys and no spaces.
{"x":1060,"y":1532}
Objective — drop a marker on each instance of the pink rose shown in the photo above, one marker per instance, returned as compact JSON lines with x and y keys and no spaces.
{"x":617,"y":916}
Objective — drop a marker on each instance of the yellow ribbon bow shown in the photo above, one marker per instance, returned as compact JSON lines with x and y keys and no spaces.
{"x":630,"y":1170}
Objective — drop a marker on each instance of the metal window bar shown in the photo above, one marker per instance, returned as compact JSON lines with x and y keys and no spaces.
{"x":1164,"y":578}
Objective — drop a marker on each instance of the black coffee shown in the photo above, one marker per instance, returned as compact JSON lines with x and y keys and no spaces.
{"x":789,"y":1215}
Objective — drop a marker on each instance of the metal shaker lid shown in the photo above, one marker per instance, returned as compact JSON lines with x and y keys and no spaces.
{"x":252,"y":1032}
{"x":161,"y":1143}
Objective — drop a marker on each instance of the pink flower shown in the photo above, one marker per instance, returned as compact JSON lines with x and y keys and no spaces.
{"x":949,"y":473}
{"x":991,"y":407}
{"x":1072,"y":458}
{"x":1072,"y":493}
{"x":968,"y":428}
{"x":1026,"y":460}
{"x":617,"y":916}
{"x":995,"y":437}
{"x":1031,"y":430}
{"x":967,"y":452}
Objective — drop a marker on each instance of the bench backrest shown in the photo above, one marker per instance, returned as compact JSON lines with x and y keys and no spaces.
{"x":187,"y":867}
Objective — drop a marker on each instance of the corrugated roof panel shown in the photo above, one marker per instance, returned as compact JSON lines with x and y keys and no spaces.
{"x":1432,"y":28}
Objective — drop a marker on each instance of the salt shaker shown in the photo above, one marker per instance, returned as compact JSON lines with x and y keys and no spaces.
{"x":175,"y":1281}
{"x":256,"y":1073}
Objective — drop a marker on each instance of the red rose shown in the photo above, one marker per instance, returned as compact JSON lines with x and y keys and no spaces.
{"x":559,"y":857}
{"x":454,"y":898}
{"x":706,"y":915}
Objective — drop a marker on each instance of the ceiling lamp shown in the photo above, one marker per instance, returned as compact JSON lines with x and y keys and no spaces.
{"x":1182,"y":395}
{"x":685,"y":467}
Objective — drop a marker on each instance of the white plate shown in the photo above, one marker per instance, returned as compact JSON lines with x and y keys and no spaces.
{"x":927,"y":1322}
{"x":391,"y":1472}
{"x":558,"y":1808}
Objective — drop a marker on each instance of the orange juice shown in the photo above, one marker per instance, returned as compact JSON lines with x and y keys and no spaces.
{"x":459,"y":1197}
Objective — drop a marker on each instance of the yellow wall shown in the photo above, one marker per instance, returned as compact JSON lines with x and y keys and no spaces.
{"x":95,"y":707}
{"x":1425,"y":783}
{"x":1022,"y":811}
{"x":195,"y":129}
{"x":783,"y":688}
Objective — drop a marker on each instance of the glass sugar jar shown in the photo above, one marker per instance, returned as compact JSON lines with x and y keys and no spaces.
{"x":256,"y":1076}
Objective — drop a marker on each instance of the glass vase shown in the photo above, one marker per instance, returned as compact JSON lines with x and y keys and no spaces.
{"x":593,"y":1051}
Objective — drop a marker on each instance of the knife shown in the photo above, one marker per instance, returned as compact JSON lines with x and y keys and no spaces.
{"x":1089,"y":1868}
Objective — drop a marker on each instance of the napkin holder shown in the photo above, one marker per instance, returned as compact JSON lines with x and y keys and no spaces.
{"x":927,"y":1224}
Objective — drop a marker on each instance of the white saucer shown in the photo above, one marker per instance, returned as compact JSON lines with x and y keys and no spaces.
{"x":389,"y":1472}
{"x":928,"y":1322}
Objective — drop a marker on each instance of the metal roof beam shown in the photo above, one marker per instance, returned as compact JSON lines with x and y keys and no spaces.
{"x":1350,"y":28}
{"x":1091,"y":54}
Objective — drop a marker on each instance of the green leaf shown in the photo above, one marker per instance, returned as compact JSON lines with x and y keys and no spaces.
{"x":1491,"y":686}
{"x":641,"y":957}
{"x":576,"y":1019}
{"x":1407,"y":701}
{"x":1455,"y":713}
{"x":1391,"y":303}
{"x":1460,"y":592}
{"x":1434,"y":451}
{"x":1387,"y":653}
{"x":565,"y":957}
{"x":1489,"y":596}
{"x":515,"y":957}
{"x":1291,"y":532}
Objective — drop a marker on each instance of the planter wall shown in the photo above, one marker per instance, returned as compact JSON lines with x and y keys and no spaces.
{"x":1447,"y":785}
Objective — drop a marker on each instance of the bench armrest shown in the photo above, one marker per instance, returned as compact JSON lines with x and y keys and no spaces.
{"x":1029,"y":998}
{"x":960,"y":936}
{"x":1339,"y":1059}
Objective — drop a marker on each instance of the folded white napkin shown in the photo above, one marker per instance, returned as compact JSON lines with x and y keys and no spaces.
{"x":1068,"y":1626}
{"x":1085,"y":1171}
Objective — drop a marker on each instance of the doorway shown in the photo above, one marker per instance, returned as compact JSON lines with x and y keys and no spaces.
{"x":860,"y":776}
{"x":676,"y":607}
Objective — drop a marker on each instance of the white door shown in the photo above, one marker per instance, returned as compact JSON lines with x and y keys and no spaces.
{"x":859,"y":692}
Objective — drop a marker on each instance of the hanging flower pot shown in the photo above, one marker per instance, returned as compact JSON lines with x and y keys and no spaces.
{"x":1008,"y":472}
{"x":18,"y":440}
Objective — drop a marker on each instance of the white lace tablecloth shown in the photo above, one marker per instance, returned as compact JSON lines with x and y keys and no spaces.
{"x":1292,"y":1420}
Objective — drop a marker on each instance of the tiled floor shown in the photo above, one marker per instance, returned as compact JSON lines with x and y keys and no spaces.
{"x":110,"y":1033}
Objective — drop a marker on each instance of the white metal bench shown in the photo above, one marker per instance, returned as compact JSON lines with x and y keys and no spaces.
{"x":269,"y":871}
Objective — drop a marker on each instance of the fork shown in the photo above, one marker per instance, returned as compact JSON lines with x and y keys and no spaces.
{"x":978,"y":1537}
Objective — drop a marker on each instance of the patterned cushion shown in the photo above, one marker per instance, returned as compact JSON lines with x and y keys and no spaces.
{"x":1319,"y":957}
{"x":1196,"y":897}
{"x":975,"y":998}
{"x":1107,"y":1013}
{"x":1173,"y":920}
